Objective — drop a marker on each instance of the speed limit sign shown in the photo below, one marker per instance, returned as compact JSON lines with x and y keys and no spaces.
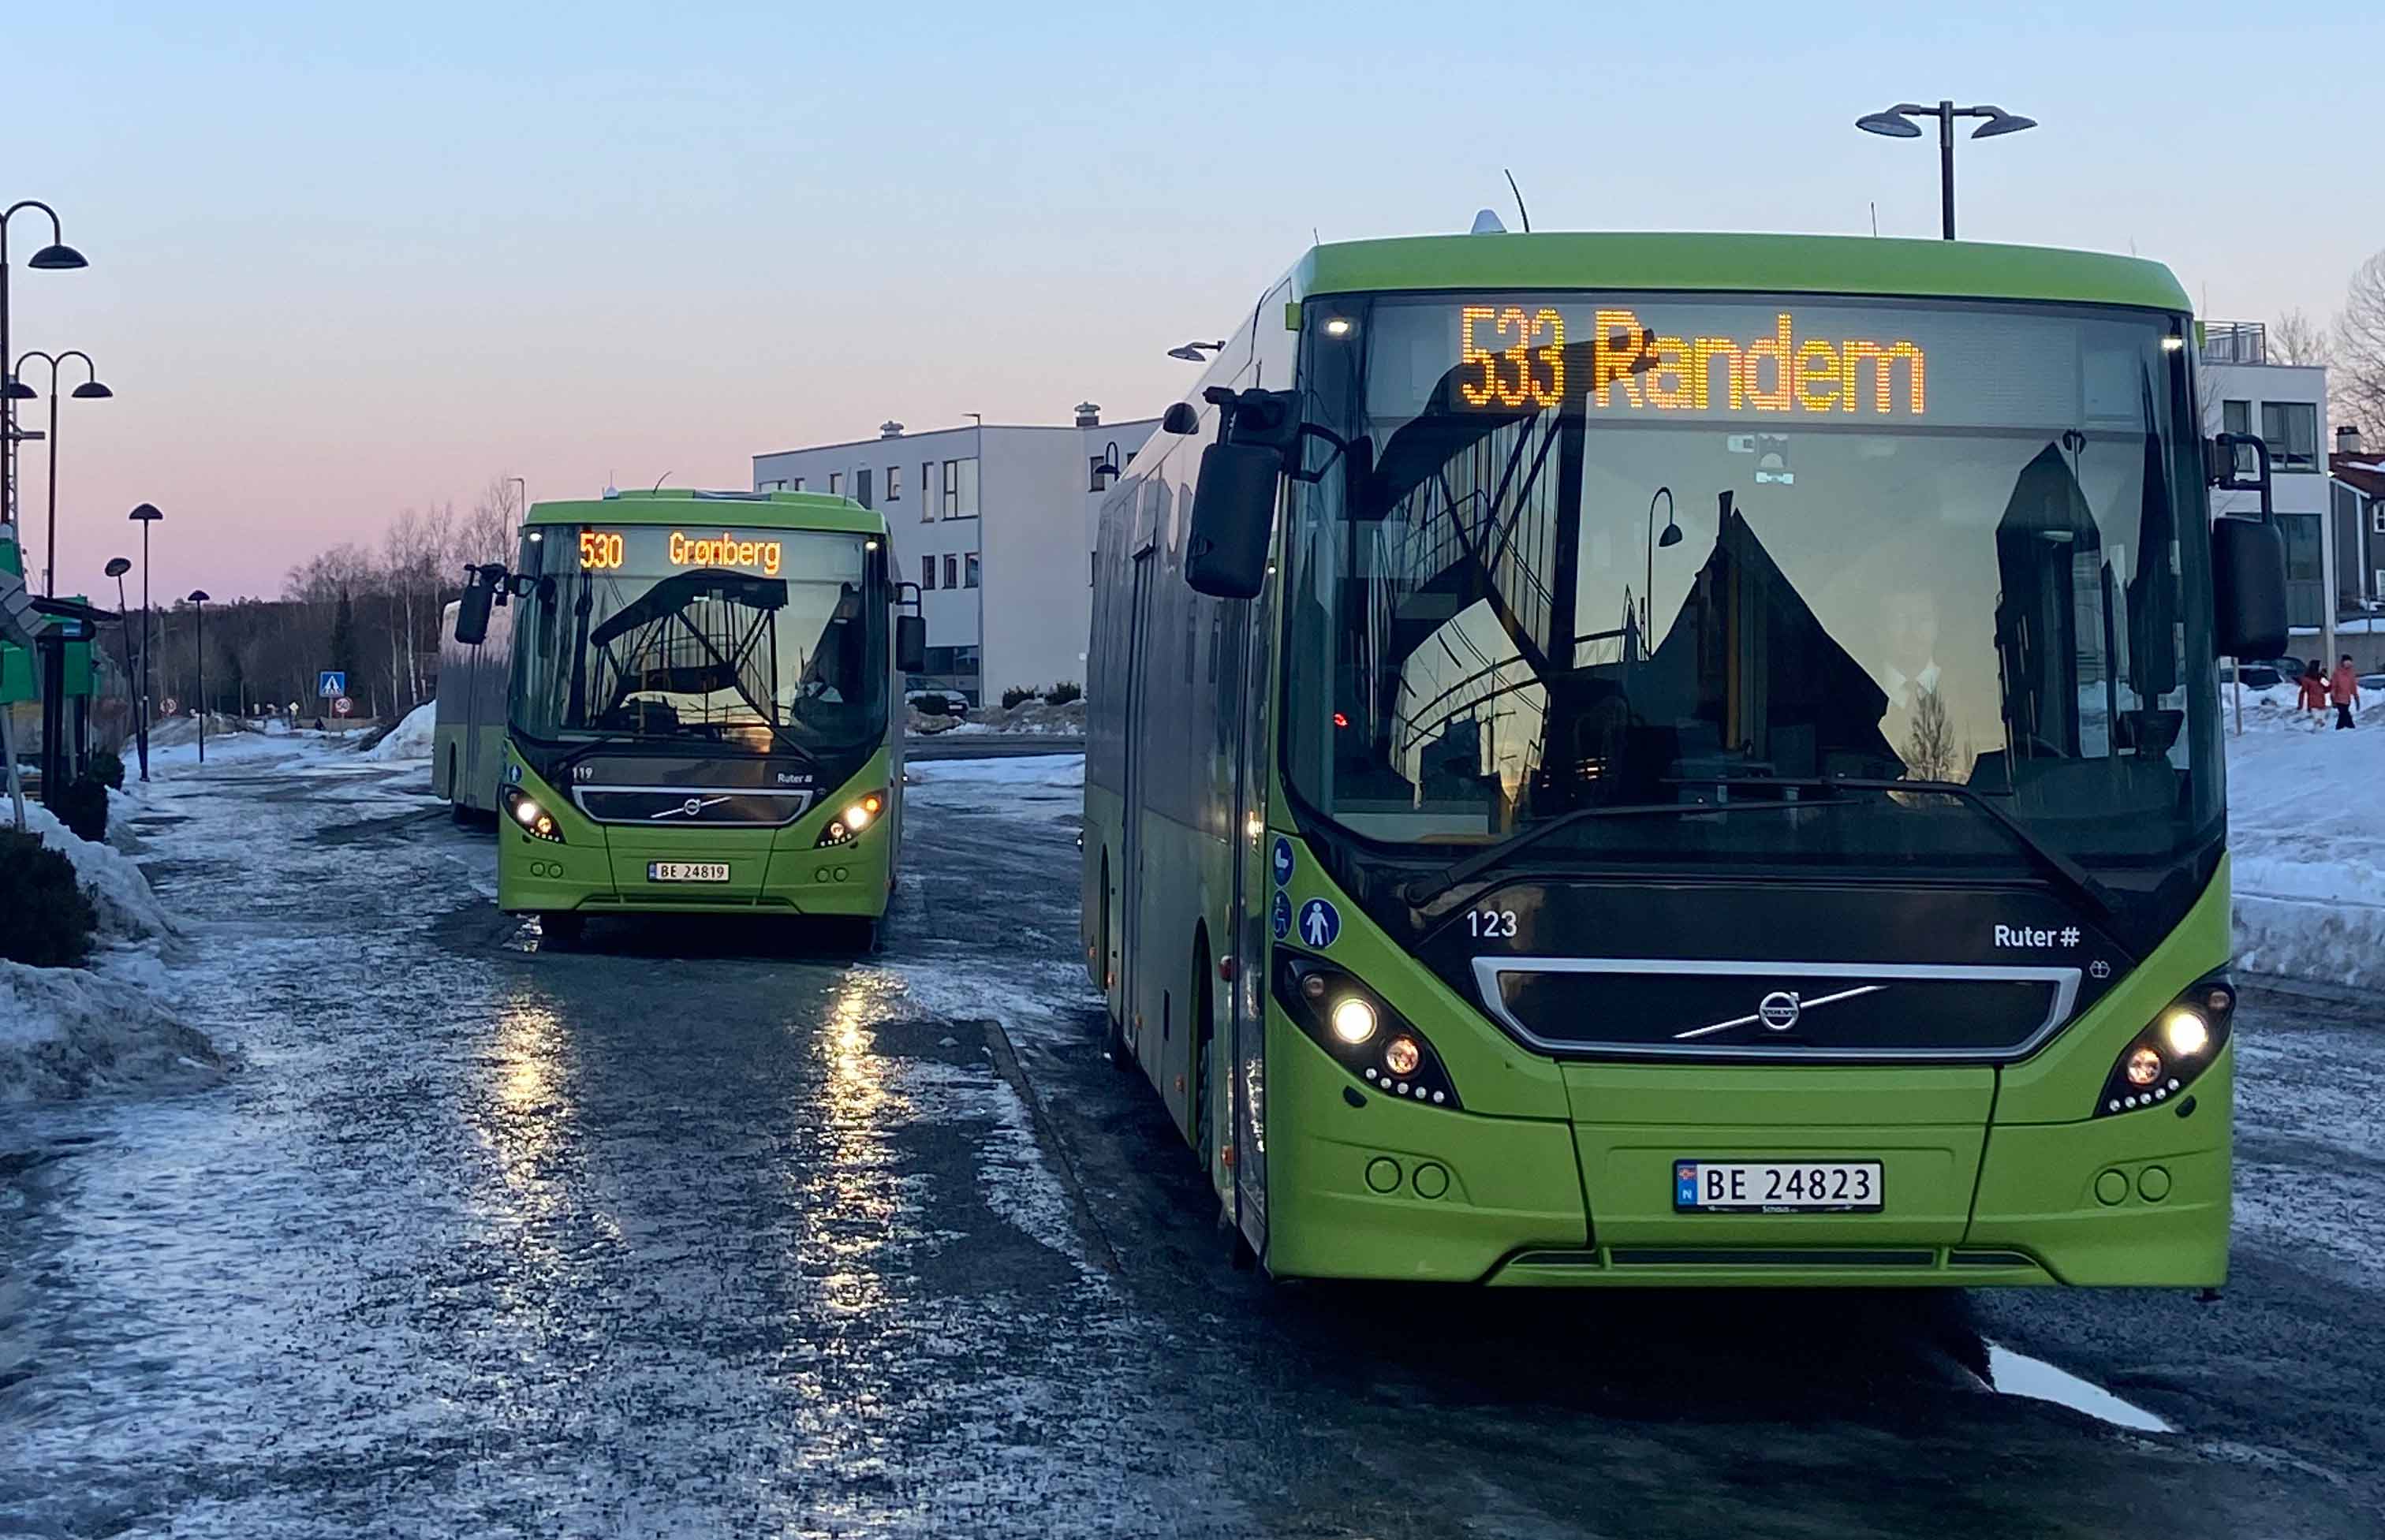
{"x":341,"y":706}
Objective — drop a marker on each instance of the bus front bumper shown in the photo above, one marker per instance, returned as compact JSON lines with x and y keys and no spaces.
{"x":1389,"y":1190}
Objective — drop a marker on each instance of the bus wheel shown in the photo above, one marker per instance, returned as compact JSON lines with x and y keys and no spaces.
{"x":457,"y":811}
{"x":561,"y":929}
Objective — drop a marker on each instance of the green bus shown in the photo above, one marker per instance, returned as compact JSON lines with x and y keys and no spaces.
{"x":696,"y":715}
{"x":1682,"y":760}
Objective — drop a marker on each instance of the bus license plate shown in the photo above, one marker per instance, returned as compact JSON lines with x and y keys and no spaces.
{"x":1776,"y":1186}
{"x":687,"y":871}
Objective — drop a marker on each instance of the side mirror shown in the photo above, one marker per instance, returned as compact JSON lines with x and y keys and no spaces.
{"x":910,"y":644}
{"x":2248,"y":581}
{"x":472,"y":610}
{"x":1233,"y":513}
{"x":1179,"y":418}
{"x":2223,"y":464}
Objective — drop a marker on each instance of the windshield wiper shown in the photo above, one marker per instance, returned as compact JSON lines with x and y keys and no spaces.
{"x":2082,"y":884}
{"x":1420,"y":891}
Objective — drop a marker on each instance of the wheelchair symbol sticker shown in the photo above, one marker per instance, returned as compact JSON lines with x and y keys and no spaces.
{"x":1279,"y":916}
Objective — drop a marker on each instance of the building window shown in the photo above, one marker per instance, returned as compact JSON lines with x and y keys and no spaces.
{"x":796,"y":485}
{"x":893,"y":483}
{"x":2377,"y":515}
{"x":960,"y":489}
{"x":836,"y":483}
{"x":2290,"y":430}
{"x":968,"y":571}
{"x":2235,"y":417}
{"x":927,"y":572}
{"x":928,"y":501}
{"x":952,"y":572}
{"x":861,"y":487}
{"x":2301,"y":546}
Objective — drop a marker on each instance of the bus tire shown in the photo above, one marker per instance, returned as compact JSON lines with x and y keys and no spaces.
{"x":561,"y":929}
{"x":456,"y":811}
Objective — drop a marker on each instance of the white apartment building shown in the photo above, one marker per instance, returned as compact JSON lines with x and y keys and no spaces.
{"x":994,"y":523}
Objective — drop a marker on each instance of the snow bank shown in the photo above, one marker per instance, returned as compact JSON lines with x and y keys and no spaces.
{"x":66,"y":1031}
{"x":128,"y":910}
{"x":410,"y":738}
{"x":2306,"y":824}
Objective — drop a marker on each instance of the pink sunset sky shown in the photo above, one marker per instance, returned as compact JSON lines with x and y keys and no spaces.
{"x":348,"y":260}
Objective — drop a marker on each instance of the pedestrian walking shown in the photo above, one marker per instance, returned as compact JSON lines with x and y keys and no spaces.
{"x":2312,"y":683}
{"x":2344,"y":690}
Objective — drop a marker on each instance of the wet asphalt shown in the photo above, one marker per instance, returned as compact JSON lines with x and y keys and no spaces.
{"x":705,"y":1228}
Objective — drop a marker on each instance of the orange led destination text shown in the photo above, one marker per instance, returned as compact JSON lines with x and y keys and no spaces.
{"x":1778,"y":373}
{"x":725,"y":550}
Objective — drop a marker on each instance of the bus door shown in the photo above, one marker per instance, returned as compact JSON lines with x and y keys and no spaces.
{"x":1138,"y":686}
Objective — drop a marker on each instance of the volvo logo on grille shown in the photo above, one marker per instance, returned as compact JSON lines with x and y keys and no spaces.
{"x":1780,"y":1010}
{"x":694,"y":805}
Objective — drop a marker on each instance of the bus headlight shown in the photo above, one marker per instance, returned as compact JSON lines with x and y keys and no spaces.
{"x":2160,"y":1062}
{"x":856,"y":815}
{"x":1364,"y":1035}
{"x":1354,"y":1020}
{"x":528,"y":816}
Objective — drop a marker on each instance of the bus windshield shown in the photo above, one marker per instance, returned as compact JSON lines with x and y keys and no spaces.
{"x":1672,"y":552}
{"x":752,"y":639}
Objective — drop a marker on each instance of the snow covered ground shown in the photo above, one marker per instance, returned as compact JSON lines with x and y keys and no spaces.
{"x":410,"y":740}
{"x":2306,"y":823}
{"x":66,"y":1031}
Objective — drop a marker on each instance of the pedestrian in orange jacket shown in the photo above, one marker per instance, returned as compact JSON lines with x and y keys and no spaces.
{"x":2313,"y":680}
{"x":2344,"y":690}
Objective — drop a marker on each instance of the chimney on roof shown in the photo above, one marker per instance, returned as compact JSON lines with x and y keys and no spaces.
{"x":1089,"y":415}
{"x":2347,"y":438}
{"x":890,"y":429}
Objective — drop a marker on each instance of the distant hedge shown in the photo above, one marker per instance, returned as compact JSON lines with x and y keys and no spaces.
{"x":82,"y":805}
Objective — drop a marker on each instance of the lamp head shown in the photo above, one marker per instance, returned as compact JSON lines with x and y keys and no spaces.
{"x":92,"y":389}
{"x":199,"y":596}
{"x":54,"y":258}
{"x":145,"y":514}
{"x":1672,"y":535}
{"x":1893,"y":123}
{"x":117,"y":567}
{"x":20,"y":390}
{"x":1999,"y":121}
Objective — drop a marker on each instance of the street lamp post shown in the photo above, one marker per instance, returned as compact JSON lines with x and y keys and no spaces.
{"x":55,"y":256}
{"x":199,"y":602}
{"x":1672,"y":537}
{"x":145,"y":515}
{"x":116,"y":567}
{"x":90,"y":390}
{"x":1897,"y":122}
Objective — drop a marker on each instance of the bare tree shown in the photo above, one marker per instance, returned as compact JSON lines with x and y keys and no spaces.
{"x":1929,"y":751}
{"x":2358,"y":380}
{"x":2295,"y":337}
{"x":488,"y":531}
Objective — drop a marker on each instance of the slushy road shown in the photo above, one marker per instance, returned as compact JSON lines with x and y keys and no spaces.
{"x":691,"y":1232}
